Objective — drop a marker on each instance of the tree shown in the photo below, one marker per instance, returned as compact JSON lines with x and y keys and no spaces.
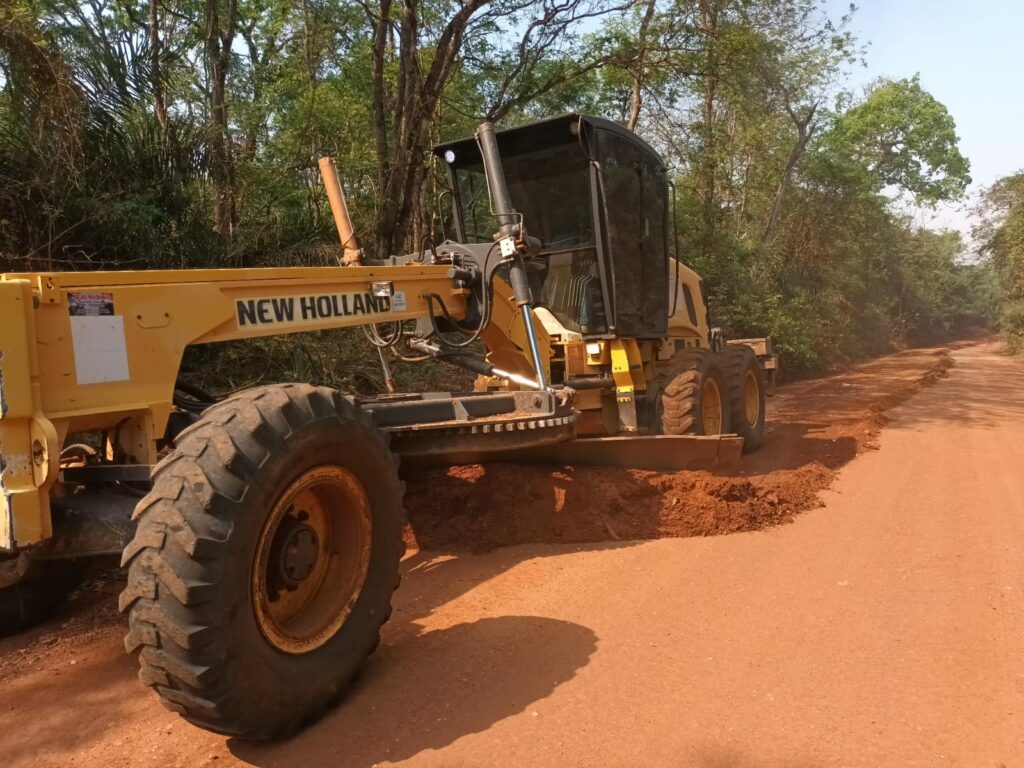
{"x":903,"y":137}
{"x":428,"y":51}
{"x":1002,"y":236}
{"x":143,"y":134}
{"x":723,"y":74}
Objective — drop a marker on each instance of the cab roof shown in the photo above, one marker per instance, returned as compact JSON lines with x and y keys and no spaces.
{"x":551,"y":131}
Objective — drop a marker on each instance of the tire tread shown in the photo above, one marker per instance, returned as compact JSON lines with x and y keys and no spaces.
{"x":735,"y":360}
{"x":680,"y":392}
{"x":183,"y":526}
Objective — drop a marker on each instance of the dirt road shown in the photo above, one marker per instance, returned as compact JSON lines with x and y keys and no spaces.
{"x":885,"y":628}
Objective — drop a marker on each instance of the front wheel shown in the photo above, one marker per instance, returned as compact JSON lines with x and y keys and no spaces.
{"x":693,"y":401}
{"x":264,"y":560}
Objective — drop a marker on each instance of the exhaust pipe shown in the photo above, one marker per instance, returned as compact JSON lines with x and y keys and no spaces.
{"x":497,"y":188}
{"x":353,"y":255}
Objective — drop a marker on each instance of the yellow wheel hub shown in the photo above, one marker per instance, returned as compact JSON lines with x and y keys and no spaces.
{"x":311,"y":559}
{"x":711,"y":407}
{"x":751,"y":399}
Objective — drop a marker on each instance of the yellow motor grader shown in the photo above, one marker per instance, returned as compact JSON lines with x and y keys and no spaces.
{"x":263,"y":532}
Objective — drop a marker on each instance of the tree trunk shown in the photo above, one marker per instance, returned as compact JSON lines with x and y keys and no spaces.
{"x":804,"y":132}
{"x":219,"y":39}
{"x":381,"y":36}
{"x":157,"y":78}
{"x":744,"y":197}
{"x":639,"y":69}
{"x":402,"y":132}
{"x":709,"y":13}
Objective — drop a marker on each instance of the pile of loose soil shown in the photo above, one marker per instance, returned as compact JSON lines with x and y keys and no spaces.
{"x":814,"y":428}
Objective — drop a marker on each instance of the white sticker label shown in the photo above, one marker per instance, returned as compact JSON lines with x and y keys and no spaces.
{"x":398,"y":301}
{"x":101,"y":354}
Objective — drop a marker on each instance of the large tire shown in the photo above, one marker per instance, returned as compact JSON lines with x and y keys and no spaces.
{"x":694,"y":381}
{"x":225,"y":639}
{"x":745,"y":380}
{"x":33,"y":600}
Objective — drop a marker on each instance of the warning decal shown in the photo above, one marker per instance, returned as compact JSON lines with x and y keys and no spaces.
{"x":89,"y":304}
{"x":289,"y":310}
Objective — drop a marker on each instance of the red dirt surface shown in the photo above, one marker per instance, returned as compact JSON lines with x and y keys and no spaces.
{"x":886,"y":629}
{"x":814,"y":428}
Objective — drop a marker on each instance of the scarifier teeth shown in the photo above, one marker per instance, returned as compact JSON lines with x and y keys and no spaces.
{"x":518,"y":425}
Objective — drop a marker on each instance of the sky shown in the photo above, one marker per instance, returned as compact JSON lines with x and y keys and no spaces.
{"x":970,"y":55}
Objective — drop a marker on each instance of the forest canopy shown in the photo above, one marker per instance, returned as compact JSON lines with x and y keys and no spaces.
{"x":144,"y":134}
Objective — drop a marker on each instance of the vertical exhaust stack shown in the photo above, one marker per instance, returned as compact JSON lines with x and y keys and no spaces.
{"x":353,"y":255}
{"x":501,"y":203}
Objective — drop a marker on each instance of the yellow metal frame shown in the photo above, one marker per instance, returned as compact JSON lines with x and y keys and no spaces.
{"x":152,"y":317}
{"x":505,"y":336}
{"x":28,"y":440}
{"x":627,"y":366}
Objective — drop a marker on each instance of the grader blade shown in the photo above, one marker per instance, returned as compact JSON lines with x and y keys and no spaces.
{"x":660,"y":453}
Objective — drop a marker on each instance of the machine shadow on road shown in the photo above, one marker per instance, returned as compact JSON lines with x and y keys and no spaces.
{"x":43,"y":709}
{"x":427,"y":687}
{"x":426,"y":692}
{"x":424,"y":688}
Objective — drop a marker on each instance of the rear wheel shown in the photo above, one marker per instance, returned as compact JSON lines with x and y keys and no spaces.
{"x":746,"y":394}
{"x":264,"y":560}
{"x":693,"y":399}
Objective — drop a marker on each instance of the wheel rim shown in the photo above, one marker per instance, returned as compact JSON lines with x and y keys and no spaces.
{"x":711,"y":407}
{"x":311,"y":560}
{"x":751,"y":399}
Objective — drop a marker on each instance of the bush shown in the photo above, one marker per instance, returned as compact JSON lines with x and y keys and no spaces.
{"x":1011,"y":323}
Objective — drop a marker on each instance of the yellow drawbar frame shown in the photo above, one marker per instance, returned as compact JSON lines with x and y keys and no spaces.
{"x":131,"y":340}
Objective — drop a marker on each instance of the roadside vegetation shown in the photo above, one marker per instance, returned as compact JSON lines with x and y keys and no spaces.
{"x":142,"y":134}
{"x":1002,"y":235}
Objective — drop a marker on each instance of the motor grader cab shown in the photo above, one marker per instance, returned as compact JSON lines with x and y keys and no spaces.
{"x":262,"y":532}
{"x":615,"y":302}
{"x":596,"y":197}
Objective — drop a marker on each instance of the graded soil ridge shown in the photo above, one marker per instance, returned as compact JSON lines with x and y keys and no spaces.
{"x":814,"y":428}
